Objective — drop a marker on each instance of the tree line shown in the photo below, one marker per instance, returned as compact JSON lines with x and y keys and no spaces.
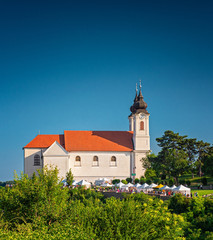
{"x":179,"y":155}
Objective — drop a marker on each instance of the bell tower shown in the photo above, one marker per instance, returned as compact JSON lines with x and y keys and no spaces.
{"x":139,"y":124}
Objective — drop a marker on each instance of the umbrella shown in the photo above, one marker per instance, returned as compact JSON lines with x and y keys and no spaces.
{"x":159,"y":186}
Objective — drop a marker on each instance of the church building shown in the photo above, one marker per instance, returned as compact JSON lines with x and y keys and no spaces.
{"x":95,"y":154}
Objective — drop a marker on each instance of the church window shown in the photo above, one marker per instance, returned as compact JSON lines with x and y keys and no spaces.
{"x":37,"y":161}
{"x":113,"y":161}
{"x":142,"y":125}
{"x":95,"y":161}
{"x":77,"y":161}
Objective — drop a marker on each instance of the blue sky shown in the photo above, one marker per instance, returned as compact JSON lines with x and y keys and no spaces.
{"x":73,"y":65}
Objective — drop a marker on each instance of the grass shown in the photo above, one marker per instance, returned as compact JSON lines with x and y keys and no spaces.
{"x":196,"y":180}
{"x":202,"y":192}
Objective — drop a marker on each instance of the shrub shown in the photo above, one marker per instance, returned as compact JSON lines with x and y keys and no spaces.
{"x":114,"y":181}
{"x":124,"y":181}
{"x":142,"y":180}
{"x":137,"y":180}
{"x":129,"y":180}
{"x":149,"y":181}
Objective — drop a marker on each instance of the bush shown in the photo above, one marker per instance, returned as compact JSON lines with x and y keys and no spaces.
{"x":129,"y":180}
{"x":124,"y":181}
{"x":149,"y":181}
{"x":137,"y":180}
{"x":114,"y":181}
{"x":142,"y":180}
{"x":204,"y":180}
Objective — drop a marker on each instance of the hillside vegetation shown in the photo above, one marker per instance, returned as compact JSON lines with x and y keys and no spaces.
{"x":40,"y":208}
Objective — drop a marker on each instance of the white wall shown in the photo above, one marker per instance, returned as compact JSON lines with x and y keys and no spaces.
{"x":29,"y":154}
{"x":61,"y":162}
{"x":91,"y":173}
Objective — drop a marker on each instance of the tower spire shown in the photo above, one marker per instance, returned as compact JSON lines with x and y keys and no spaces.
{"x":140,"y":93}
{"x":136,"y":95}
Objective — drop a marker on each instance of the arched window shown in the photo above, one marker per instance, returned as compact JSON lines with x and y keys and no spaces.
{"x":77,"y":161}
{"x":113,"y":161}
{"x":142,"y":125}
{"x":95,"y":161}
{"x":37,"y":161}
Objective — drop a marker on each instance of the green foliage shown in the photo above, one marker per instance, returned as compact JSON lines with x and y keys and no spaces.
{"x":124,"y":181}
{"x":114,"y":181}
{"x":179,"y":155}
{"x":69,"y":177}
{"x":142,"y":180}
{"x":30,"y":198}
{"x":171,"y":181}
{"x":204,"y":180}
{"x":40,"y":208}
{"x":188,"y":182}
{"x":137,"y":180}
{"x":129,"y":180}
{"x":150,"y":173}
{"x":149,"y":181}
{"x":182,"y":181}
{"x":208,"y":163}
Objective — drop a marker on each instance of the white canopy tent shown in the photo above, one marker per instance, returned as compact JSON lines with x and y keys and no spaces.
{"x":165,"y":187}
{"x":152,"y":185}
{"x":119,"y":185}
{"x":101,"y":181}
{"x":74,"y":183}
{"x":137,"y":185}
{"x":182,"y":189}
{"x":84,"y":183}
{"x":129,"y":185}
{"x":173,"y":187}
{"x":106,"y":185}
{"x":143,"y":186}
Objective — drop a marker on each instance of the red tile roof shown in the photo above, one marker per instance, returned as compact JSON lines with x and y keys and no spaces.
{"x":45,"y":141}
{"x":120,"y":141}
{"x":115,"y":141}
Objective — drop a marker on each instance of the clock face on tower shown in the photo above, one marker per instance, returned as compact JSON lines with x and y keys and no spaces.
{"x":142,"y":115}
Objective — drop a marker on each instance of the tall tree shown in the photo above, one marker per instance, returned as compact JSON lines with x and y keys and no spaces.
{"x":190,"y":147}
{"x":202,"y":150}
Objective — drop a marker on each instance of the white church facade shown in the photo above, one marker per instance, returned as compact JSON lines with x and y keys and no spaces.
{"x":95,"y":154}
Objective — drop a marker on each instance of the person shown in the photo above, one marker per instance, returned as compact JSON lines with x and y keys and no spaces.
{"x":201,"y":186}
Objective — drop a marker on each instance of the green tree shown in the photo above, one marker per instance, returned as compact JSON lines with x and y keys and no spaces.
{"x":69,"y":177}
{"x":203,"y":150}
{"x":207,"y":167}
{"x":150,"y":173}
